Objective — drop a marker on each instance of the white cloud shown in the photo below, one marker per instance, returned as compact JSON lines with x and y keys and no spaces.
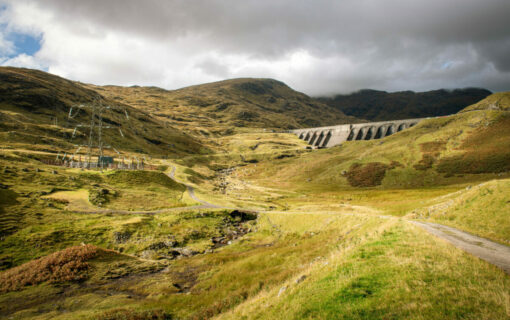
{"x":6,"y":46}
{"x":23,"y":61}
{"x":319,"y":47}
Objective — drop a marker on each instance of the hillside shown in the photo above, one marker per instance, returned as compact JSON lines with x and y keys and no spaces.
{"x":437,"y":153}
{"x":380,"y":105}
{"x":215,"y":108}
{"x":243,"y":222}
{"x":35,"y":108}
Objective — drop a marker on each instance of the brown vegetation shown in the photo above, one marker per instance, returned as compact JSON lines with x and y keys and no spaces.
{"x":66,"y":265}
{"x":485,"y":151}
{"x":431,"y":151}
{"x":368,"y":175}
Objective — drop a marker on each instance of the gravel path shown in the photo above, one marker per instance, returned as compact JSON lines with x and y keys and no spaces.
{"x":191,"y":192}
{"x":492,"y":252}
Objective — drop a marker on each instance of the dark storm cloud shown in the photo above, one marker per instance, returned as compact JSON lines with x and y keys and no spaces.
{"x":394,"y":44}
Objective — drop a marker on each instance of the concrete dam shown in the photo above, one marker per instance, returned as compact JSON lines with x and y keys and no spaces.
{"x":325,"y":137}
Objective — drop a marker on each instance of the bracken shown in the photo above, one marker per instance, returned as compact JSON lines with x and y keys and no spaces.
{"x":66,"y":265}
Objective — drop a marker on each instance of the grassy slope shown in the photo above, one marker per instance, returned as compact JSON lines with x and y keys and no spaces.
{"x":483,"y":209}
{"x":39,"y":209}
{"x":351,"y":264}
{"x":32,"y":99}
{"x":399,"y":273}
{"x":359,"y":264}
{"x":214,"y":108}
{"x":428,"y":160}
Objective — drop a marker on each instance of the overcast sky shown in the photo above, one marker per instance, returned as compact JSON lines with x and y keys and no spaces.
{"x":316,"y":46}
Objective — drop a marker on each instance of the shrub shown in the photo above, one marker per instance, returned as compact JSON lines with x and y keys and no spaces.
{"x":163,"y":167}
{"x":475,"y":162}
{"x":431,"y":151}
{"x":66,"y":265}
{"x":426,"y":161}
{"x":368,"y":175}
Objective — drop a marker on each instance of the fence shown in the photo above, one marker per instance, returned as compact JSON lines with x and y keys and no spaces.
{"x":95,"y":165}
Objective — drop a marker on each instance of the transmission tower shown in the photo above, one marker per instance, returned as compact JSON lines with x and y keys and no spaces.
{"x":95,"y":132}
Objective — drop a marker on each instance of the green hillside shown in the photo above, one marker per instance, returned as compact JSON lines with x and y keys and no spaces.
{"x":292,"y":232}
{"x":440,"y":152}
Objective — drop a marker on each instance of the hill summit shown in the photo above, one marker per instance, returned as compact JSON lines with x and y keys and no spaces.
{"x":244,"y":102}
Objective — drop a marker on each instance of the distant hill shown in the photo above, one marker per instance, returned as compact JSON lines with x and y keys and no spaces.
{"x":34,"y":108}
{"x":471,"y":145}
{"x":376,"y":105}
{"x":219,"y":106}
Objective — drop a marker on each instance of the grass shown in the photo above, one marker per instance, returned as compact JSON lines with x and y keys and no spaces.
{"x":400,"y":273}
{"x":355,"y":267}
{"x":76,"y":200}
{"x":482,"y":209}
{"x":323,"y":249}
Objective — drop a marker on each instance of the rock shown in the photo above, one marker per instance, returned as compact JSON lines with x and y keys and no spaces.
{"x":147,"y":254}
{"x":182,"y":252}
{"x":300,"y":279}
{"x":121,"y":237}
{"x":54,"y":172}
{"x":243,"y":215}
{"x":162,"y":245}
{"x":282,"y":290}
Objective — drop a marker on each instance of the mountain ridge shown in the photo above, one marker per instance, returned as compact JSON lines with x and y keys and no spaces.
{"x":375,"y":105}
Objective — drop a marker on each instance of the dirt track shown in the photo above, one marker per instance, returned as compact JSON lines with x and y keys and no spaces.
{"x":492,"y":252}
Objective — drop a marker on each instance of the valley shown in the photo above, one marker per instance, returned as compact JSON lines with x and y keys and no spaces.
{"x":239,"y":219}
